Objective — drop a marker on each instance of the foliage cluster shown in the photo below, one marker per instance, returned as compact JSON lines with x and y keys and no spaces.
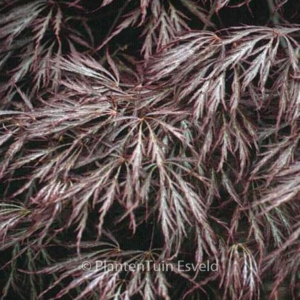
{"x":149,"y":131}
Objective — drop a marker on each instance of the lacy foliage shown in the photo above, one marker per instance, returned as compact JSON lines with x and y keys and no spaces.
{"x":183,"y":146}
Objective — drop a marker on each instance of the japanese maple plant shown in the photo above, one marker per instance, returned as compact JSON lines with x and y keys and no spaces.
{"x":150,"y":149}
